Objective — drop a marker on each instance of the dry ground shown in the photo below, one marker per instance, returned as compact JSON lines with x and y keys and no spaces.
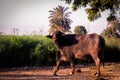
{"x":110,"y":72}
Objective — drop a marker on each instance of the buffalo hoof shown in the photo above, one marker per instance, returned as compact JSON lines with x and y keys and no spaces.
{"x":78,"y":70}
{"x":71,"y":73}
{"x":97,"y":74}
{"x":54,"y":74}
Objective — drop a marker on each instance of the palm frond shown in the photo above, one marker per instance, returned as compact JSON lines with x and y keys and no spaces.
{"x":59,"y":18}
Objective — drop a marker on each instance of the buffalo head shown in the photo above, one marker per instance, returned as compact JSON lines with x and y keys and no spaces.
{"x":56,"y":36}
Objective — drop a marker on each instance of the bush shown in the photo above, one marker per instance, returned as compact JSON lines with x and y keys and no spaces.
{"x":112,"y":49}
{"x":16,"y":51}
{"x":26,"y":51}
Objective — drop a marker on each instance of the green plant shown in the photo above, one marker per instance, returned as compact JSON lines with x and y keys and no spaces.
{"x":26,"y":51}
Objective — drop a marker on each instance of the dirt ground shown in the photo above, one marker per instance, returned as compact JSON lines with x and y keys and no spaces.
{"x":110,"y":72}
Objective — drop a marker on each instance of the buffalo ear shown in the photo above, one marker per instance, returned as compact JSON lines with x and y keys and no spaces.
{"x":49,"y":36}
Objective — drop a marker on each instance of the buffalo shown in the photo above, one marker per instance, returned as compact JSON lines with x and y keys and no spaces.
{"x":76,"y":46}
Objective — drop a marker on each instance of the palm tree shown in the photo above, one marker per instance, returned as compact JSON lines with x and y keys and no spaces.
{"x":59,"y":19}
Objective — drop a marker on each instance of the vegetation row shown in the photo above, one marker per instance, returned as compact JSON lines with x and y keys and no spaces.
{"x":17,"y":51}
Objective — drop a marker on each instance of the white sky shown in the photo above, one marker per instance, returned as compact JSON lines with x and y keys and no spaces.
{"x":32,"y":15}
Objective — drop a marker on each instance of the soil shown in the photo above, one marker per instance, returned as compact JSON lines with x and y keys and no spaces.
{"x":111,"y":71}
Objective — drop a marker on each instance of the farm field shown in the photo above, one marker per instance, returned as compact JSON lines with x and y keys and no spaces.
{"x":110,"y":72}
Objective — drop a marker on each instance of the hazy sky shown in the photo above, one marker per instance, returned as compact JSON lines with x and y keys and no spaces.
{"x":32,"y":15}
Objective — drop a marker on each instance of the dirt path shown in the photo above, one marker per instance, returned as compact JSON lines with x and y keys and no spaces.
{"x":110,"y":72}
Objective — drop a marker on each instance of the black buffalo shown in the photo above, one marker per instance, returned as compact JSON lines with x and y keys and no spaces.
{"x":73,"y":46}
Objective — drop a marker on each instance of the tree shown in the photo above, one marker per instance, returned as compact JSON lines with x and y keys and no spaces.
{"x":59,"y":19}
{"x":15,"y":31}
{"x":80,"y":30}
{"x":2,"y":33}
{"x":109,"y":32}
{"x":95,"y":7}
{"x":115,"y":24}
{"x":113,"y":28}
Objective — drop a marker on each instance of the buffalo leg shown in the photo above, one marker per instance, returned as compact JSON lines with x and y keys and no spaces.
{"x":56,"y":68}
{"x":72,"y":67}
{"x":98,"y":66}
{"x":97,"y":62}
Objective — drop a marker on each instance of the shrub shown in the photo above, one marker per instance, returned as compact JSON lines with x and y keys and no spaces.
{"x":112,"y":49}
{"x":26,"y":51}
{"x":16,"y":51}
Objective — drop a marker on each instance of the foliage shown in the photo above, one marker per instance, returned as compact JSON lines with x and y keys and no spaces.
{"x":80,"y":30}
{"x":113,"y":29}
{"x":109,"y":32}
{"x":59,"y":19}
{"x":26,"y":51}
{"x":112,"y":49}
{"x":16,"y":51}
{"x":15,"y":31}
{"x":111,"y":18}
{"x":112,"y":39}
{"x":95,"y":7}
